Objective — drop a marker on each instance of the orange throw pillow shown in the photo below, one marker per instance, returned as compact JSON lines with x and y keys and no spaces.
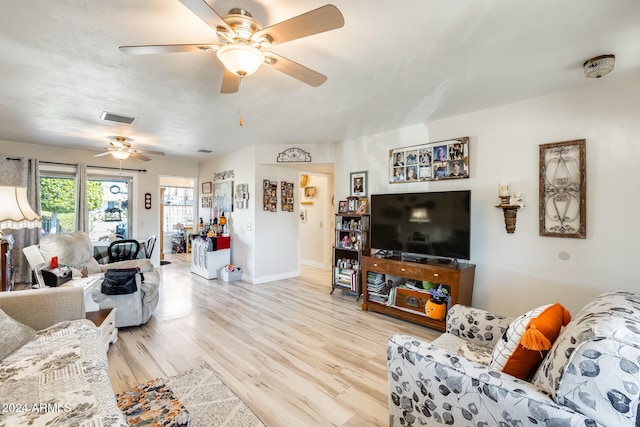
{"x":523,"y":346}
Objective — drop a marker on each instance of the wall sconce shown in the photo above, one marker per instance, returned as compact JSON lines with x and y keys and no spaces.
{"x":510,"y":206}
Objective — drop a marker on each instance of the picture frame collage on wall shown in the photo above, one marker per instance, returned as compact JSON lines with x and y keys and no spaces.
{"x":242,"y":196}
{"x":270,"y":196}
{"x":439,"y":160}
{"x":286,"y":196}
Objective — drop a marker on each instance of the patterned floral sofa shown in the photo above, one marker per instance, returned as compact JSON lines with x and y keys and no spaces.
{"x":590,"y":377}
{"x":58,"y":375}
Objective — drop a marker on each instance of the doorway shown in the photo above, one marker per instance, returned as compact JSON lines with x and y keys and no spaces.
{"x":316,"y":219}
{"x":177,"y":212}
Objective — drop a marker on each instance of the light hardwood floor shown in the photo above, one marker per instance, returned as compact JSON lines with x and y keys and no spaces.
{"x":294,"y":354}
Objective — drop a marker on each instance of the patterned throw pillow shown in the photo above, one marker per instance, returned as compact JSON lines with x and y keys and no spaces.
{"x":523,"y":345}
{"x":13,"y":334}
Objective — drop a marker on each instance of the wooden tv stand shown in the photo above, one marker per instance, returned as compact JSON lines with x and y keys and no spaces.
{"x":458,"y":279}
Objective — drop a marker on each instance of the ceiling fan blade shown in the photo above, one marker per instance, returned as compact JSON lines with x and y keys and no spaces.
{"x":203,"y":10}
{"x":168,"y":48}
{"x":316,"y":21}
{"x":153,"y":153}
{"x":139,"y":156}
{"x":102,"y":154}
{"x":295,"y":70}
{"x":230,"y":82}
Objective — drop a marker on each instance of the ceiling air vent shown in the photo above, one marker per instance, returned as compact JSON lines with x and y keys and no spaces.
{"x":117,"y":118}
{"x":203,"y":150}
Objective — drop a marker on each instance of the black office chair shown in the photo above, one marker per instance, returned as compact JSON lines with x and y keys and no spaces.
{"x":122,"y":250}
{"x":149,"y":245}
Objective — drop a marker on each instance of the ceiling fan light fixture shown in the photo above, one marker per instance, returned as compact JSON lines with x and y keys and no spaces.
{"x":120,"y":155}
{"x":240,"y":59}
{"x":599,"y":66}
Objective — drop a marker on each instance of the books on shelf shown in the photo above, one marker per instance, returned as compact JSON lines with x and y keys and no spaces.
{"x":346,"y":278}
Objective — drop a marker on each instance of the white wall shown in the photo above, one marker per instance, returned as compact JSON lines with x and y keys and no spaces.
{"x":515,"y":272}
{"x":264,"y":244}
{"x":145,"y":222}
{"x":241,"y":222}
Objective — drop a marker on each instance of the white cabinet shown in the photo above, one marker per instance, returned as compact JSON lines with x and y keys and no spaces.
{"x":207,"y":263}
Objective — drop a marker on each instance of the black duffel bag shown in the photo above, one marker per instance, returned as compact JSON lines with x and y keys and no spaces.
{"x":120,"y":281}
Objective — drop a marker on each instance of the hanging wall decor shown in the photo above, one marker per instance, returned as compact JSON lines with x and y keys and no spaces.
{"x":286,"y":196}
{"x":270,"y":195}
{"x":222,"y":197}
{"x":219,"y":176}
{"x":563,"y":189}
{"x":205,"y":202}
{"x":242,"y":196}
{"x":435,"y":161}
{"x":358,"y":184}
{"x":293,"y":155}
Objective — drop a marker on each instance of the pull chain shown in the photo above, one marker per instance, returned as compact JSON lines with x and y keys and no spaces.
{"x":241,"y":102}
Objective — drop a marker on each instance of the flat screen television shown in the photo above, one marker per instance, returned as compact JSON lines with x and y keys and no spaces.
{"x":435,"y":224}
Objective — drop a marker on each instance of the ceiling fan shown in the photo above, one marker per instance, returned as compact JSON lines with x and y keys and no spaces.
{"x":120,"y":148}
{"x":242,"y":40}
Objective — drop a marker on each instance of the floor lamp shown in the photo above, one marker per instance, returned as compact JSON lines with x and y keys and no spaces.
{"x":15,"y":213}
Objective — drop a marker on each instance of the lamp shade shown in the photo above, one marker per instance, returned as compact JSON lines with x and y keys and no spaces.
{"x":419,"y":215}
{"x":15,"y":211}
{"x":240,"y":59}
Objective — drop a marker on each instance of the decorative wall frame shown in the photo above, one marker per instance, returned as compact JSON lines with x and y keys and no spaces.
{"x":286,"y":196}
{"x":205,"y":202}
{"x":206,"y":188}
{"x":563,"y":189}
{"x":310,"y":192}
{"x":429,"y":162}
{"x":269,"y":195}
{"x":222,"y":197}
{"x":293,"y":155}
{"x":242,"y":196}
{"x":358,"y":184}
{"x":219,"y":176}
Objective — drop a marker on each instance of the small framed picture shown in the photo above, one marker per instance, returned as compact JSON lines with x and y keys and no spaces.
{"x":359,"y":184}
{"x":206,"y":187}
{"x":352,"y":204}
{"x":343,"y":206}
{"x":361,"y":207}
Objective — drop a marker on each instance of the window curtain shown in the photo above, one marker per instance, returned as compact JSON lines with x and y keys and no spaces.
{"x":82,"y":212}
{"x":22,"y":172}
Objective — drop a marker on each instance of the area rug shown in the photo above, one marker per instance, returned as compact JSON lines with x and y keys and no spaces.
{"x":152,"y":404}
{"x":209,"y":401}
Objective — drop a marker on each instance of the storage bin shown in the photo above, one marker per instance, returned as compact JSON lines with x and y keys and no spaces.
{"x":229,"y":276}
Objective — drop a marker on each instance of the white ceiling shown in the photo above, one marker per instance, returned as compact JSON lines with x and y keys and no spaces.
{"x":393,"y":64}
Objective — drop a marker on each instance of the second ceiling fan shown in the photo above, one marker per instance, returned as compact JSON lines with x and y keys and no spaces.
{"x":243,"y":40}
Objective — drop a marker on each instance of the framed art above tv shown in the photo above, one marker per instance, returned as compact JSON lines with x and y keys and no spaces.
{"x":429,"y":162}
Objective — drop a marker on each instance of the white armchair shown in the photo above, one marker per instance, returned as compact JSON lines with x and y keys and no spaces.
{"x":75,"y":250}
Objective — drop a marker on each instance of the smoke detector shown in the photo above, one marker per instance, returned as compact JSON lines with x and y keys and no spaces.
{"x":599,"y":66}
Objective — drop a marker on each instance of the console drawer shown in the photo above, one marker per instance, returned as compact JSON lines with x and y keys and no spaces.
{"x":105,"y":321}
